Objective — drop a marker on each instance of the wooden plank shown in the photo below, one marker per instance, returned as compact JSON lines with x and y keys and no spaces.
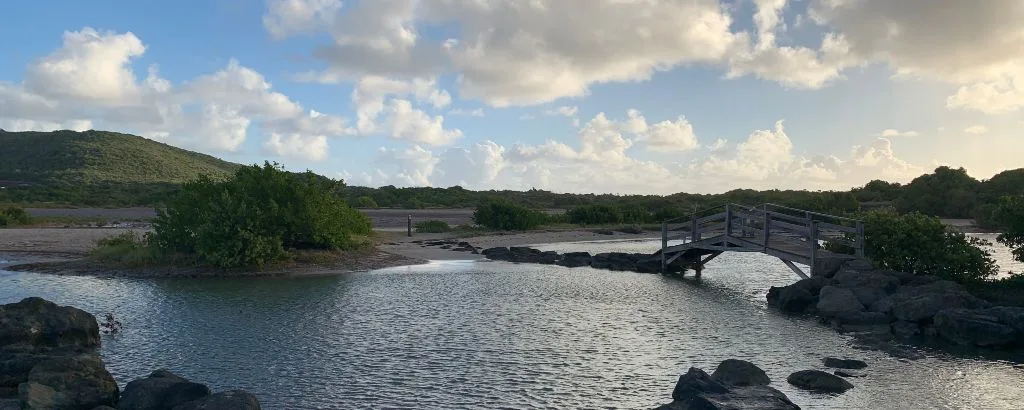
{"x":785,"y":217}
{"x":795,"y":268}
{"x":788,"y":227}
{"x":709,"y":218}
{"x":713,"y":227}
{"x":754,"y":217}
{"x":827,"y":226}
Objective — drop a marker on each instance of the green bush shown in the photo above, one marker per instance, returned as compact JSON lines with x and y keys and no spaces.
{"x":366,"y":201}
{"x":507,"y":216}
{"x":594,"y":215}
{"x":127,"y":248}
{"x":256,"y":217}
{"x":433,"y":227}
{"x":1009,"y":215}
{"x":923,"y":245}
{"x":12,"y":216}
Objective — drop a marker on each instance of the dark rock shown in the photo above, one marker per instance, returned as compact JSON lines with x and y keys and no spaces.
{"x":547,"y":258}
{"x":870,"y":279}
{"x":575,"y":259}
{"x":791,"y":299}
{"x":500,"y":253}
{"x":697,"y":390}
{"x":850,"y":364}
{"x":922,"y":280}
{"x":1007,"y":315}
{"x":905,"y":329}
{"x":228,"y":400}
{"x":618,"y":261}
{"x":80,"y":381}
{"x":861,"y":322}
{"x":33,"y":395}
{"x":883,"y":305}
{"x":41,"y":323}
{"x":162,"y":390}
{"x":464,"y":245}
{"x":819,"y":381}
{"x":973,"y":328}
{"x":604,"y":232}
{"x":446,"y":247}
{"x":733,"y":372}
{"x":826,"y":267}
{"x":921,"y":307}
{"x":869,"y":295}
{"x":812,"y":285}
{"x":648,"y":265}
{"x":833,"y":301}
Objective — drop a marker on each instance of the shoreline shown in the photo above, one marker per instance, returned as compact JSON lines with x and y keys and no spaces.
{"x":63,"y":251}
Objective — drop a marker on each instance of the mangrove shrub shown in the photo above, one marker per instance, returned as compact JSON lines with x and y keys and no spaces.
{"x":256,"y":217}
{"x":1009,"y":216}
{"x":12,"y":215}
{"x":923,"y":245}
{"x":507,"y":216}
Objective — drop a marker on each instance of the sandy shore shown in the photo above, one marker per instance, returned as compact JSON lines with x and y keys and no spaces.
{"x":61,"y":251}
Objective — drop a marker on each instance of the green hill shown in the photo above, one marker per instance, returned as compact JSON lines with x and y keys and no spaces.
{"x":98,"y":157}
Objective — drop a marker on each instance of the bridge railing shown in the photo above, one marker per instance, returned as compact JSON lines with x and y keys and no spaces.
{"x":770,"y":226}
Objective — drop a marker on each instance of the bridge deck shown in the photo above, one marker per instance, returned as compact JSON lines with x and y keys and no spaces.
{"x":785,"y":233}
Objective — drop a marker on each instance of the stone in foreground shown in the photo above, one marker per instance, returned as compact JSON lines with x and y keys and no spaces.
{"x":698,"y":390}
{"x":819,"y":381}
{"x":161,"y":390}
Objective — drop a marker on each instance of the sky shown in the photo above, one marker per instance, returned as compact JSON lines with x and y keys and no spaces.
{"x":602,"y":96}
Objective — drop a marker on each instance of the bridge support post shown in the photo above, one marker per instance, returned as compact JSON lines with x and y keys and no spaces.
{"x":859,"y":252}
{"x":664,"y":245}
{"x":813,"y":240}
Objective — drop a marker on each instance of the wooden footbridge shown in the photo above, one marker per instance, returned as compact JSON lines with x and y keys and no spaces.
{"x":792,"y":235}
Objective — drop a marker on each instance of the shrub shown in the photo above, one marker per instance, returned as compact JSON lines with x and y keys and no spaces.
{"x":507,"y":216}
{"x":256,"y":217}
{"x":433,"y":227}
{"x":127,"y":249}
{"x":1009,"y":215}
{"x":594,"y":215}
{"x":12,"y":215}
{"x":366,"y":202}
{"x":923,"y":245}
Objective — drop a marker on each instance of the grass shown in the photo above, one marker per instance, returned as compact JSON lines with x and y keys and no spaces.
{"x":433,"y":227}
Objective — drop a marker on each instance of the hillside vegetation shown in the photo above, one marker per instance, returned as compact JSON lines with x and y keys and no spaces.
{"x":99,"y":157}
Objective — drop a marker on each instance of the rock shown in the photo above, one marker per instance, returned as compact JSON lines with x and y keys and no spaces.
{"x":791,"y":299}
{"x":697,"y":390}
{"x":833,"y":301}
{"x":826,"y":267}
{"x":869,"y":295}
{"x":812,"y":285}
{"x":500,"y":253}
{"x":870,"y":279}
{"x":973,"y":328}
{"x":859,"y":265}
{"x":819,"y":381}
{"x":575,"y":259}
{"x":905,"y":329}
{"x":161,"y":390}
{"x":41,"y":323}
{"x":843,"y":373}
{"x":1007,"y":315}
{"x":648,"y":265}
{"x":103,"y":408}
{"x":853,"y":364}
{"x":921,"y":307}
{"x":733,"y":372}
{"x":618,"y":261}
{"x":10,"y":404}
{"x":228,"y":400}
{"x":883,"y":305}
{"x":81,"y":380}
{"x":33,"y":395}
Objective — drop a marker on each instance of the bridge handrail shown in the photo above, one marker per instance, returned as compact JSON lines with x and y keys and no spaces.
{"x":806,"y":212}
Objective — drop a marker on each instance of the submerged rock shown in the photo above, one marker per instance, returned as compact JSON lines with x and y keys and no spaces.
{"x":159,"y":391}
{"x":698,"y":390}
{"x":837,"y":363}
{"x":228,"y":400}
{"x":819,"y":381}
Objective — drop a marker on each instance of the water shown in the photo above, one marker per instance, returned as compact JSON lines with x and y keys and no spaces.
{"x":472,"y":335}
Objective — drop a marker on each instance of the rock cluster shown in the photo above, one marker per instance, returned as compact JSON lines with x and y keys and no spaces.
{"x":617,"y":261}
{"x":449,"y":244}
{"x":735,"y":384}
{"x":858,"y":298}
{"x":48,"y":360}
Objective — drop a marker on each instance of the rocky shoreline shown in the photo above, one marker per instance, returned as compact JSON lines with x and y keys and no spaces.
{"x":49,"y":360}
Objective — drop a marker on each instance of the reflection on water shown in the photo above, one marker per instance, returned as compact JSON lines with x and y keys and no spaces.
{"x":494,"y":335}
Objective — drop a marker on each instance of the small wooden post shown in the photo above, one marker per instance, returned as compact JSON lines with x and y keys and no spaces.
{"x":767,"y":226}
{"x":664,"y":245}
{"x":859,"y":252}
{"x":694,"y":234}
{"x":409,"y":227}
{"x":728,"y":219}
{"x":814,"y":244}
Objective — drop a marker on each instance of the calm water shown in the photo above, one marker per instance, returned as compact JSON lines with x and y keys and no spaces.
{"x":494,"y":335}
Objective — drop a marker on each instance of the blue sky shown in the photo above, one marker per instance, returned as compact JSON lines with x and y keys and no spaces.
{"x":510,"y":94}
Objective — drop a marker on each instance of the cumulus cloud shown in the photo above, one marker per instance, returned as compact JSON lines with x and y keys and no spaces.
{"x":976,"y":130}
{"x":890,"y":133}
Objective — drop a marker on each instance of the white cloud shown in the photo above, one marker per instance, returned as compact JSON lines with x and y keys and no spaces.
{"x":374,"y":97}
{"x":290,"y":17}
{"x":90,"y":66}
{"x":312,"y":148}
{"x":565,"y":111}
{"x":33,"y":125}
{"x":478,"y":112}
{"x":890,"y":133}
{"x":402,"y":121}
{"x":976,"y":130}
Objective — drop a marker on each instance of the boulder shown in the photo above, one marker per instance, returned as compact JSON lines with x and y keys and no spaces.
{"x":791,"y":299}
{"x":161,"y":390}
{"x":869,"y":295}
{"x":973,"y":328}
{"x":228,"y":400}
{"x":500,"y":253}
{"x":869,"y":279}
{"x":851,"y":321}
{"x":833,"y":301}
{"x":812,"y":285}
{"x":697,"y":390}
{"x":648,"y":265}
{"x":618,"y":261}
{"x":850,"y":364}
{"x":826,"y":267}
{"x":819,"y":381}
{"x":905,"y":329}
{"x":81,"y":381}
{"x":33,"y":395}
{"x":733,"y":372}
{"x":546,"y":258}
{"x":1009,"y":315}
{"x":911,"y":306}
{"x":575,"y":259}
{"x":40,"y":323}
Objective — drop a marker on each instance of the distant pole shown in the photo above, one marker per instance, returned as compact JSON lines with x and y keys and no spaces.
{"x":409,"y":227}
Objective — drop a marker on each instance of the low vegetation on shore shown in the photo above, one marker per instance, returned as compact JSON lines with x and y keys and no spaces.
{"x":13,"y":216}
{"x":258,"y":217}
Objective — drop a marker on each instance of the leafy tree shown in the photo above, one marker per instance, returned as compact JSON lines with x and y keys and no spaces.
{"x":12,"y":215}
{"x":1010,"y":216}
{"x":366,"y":201}
{"x":947,"y":192}
{"x":594,"y":214}
{"x":923,"y":245}
{"x":255,"y":218}
{"x":877,"y":191}
{"x":507,"y":216}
